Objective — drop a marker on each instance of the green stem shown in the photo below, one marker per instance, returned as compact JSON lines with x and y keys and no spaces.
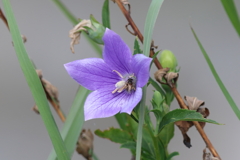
{"x":140,"y":125}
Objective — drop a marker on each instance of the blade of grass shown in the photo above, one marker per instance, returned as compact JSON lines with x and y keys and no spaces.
{"x":74,"y":21}
{"x":232,"y":13}
{"x":74,"y":122}
{"x":106,"y":14}
{"x":148,"y":31}
{"x":140,"y":125}
{"x":149,"y":24}
{"x":35,"y":85}
{"x":217,"y":78}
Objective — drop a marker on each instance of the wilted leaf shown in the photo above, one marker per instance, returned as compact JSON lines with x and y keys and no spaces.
{"x":85,"y":144}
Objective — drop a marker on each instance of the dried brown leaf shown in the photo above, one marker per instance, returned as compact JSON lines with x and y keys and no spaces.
{"x":85,"y":144}
{"x":75,"y":33}
{"x":208,"y":156}
{"x":35,"y":109}
{"x":24,"y":38}
{"x":184,"y":126}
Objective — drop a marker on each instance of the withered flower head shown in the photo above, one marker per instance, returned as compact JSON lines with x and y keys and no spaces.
{"x":193,"y":104}
{"x":160,"y":74}
{"x":171,"y":78}
{"x":208,"y":156}
{"x":85,"y":144}
{"x":74,"y":33}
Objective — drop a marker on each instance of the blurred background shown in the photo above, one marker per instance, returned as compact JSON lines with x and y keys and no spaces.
{"x":23,"y":135}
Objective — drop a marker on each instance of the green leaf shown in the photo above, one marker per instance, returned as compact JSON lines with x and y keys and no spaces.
{"x":172,"y":155}
{"x":130,"y":145}
{"x":122,"y":120}
{"x":35,"y":84}
{"x":156,"y":86}
{"x":137,"y":48}
{"x":114,"y":134}
{"x":106,"y":14}
{"x":74,"y":123}
{"x":217,"y":78}
{"x":232,"y":13}
{"x":183,"y":115}
{"x":167,"y":134}
{"x":74,"y":21}
{"x":153,"y":57}
{"x":149,"y":24}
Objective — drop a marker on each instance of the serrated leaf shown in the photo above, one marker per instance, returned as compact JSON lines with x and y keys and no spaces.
{"x":137,"y":48}
{"x":114,"y":134}
{"x":106,"y":14}
{"x":74,"y":123}
{"x":183,"y":115}
{"x":34,"y":84}
{"x":232,"y":13}
{"x":217,"y":78}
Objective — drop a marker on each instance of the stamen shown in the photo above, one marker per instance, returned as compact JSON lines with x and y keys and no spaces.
{"x":118,"y":73}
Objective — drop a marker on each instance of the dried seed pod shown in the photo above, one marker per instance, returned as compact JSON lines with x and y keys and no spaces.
{"x":85,"y":144}
{"x":160,"y":74}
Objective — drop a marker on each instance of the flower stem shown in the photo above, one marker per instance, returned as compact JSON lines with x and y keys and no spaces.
{"x":140,"y":125}
{"x":174,"y":89}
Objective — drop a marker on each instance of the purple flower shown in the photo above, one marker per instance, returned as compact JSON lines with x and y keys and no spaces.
{"x":116,"y":80}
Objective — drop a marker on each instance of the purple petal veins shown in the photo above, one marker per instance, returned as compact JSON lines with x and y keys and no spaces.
{"x":116,"y":80}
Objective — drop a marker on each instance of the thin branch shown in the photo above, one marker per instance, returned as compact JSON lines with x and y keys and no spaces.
{"x":174,"y":89}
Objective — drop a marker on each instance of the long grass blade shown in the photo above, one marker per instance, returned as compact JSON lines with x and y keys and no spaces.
{"x":35,"y":85}
{"x":232,"y":13}
{"x":148,"y":31}
{"x":140,"y":125}
{"x":217,"y":78}
{"x":74,"y":122}
{"x":149,"y":24}
{"x":106,"y":14}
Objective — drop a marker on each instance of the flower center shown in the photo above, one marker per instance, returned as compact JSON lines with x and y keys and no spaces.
{"x":128,"y":83}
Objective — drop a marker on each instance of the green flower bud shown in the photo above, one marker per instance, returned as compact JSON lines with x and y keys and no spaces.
{"x":96,"y":31}
{"x":157,"y":99}
{"x":168,"y":60}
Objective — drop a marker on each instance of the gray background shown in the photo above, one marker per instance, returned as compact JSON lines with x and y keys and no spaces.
{"x":23,"y":135}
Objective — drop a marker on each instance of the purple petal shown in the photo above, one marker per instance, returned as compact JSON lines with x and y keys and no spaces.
{"x":141,"y":64}
{"x":102,"y":103}
{"x":92,"y":73}
{"x":116,"y":53}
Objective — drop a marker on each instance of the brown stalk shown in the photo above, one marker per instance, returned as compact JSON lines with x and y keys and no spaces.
{"x":174,"y":89}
